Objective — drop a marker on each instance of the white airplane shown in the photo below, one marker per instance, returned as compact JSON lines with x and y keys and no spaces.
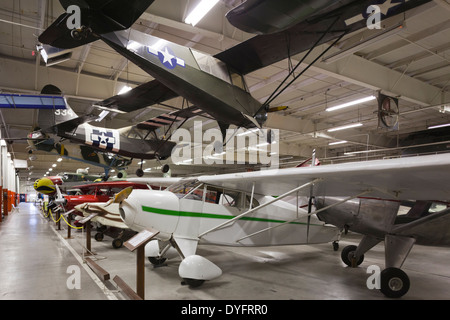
{"x":235,"y":209}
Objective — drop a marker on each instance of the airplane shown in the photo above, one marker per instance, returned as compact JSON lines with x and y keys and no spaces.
{"x":107,"y":148}
{"x":235,"y":209}
{"x":216,"y":84}
{"x":95,"y":197}
{"x":186,"y":209}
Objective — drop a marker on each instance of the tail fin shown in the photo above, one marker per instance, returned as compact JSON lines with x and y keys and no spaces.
{"x":98,"y":17}
{"x":47,"y":118}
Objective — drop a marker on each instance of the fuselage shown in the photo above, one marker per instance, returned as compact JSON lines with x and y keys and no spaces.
{"x":202,"y":79}
{"x":182,"y":212}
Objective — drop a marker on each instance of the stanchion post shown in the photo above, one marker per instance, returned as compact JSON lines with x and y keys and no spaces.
{"x":138,"y":243}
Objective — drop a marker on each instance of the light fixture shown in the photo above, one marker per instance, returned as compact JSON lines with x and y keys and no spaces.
{"x":54,"y":165}
{"x":439,"y":126}
{"x":351,"y":103}
{"x":345,"y":127}
{"x":200,"y":11}
{"x":337,"y":142}
{"x":59,"y":159}
{"x":125,"y":89}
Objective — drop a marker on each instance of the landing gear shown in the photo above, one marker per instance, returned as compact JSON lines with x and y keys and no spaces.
{"x":335,"y":245}
{"x":79,"y":34}
{"x":157,"y":261}
{"x":117,"y":243}
{"x":193,"y":283}
{"x":394,"y":282}
{"x":348,"y":256}
{"x":140,"y":172}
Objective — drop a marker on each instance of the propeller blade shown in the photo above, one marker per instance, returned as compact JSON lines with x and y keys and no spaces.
{"x":122,"y":195}
{"x":276,"y":109}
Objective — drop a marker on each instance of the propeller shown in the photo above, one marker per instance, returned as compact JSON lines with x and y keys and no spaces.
{"x":122,"y":195}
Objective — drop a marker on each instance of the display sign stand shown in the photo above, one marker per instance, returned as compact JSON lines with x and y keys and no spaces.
{"x":137,"y":243}
{"x":87,"y":222}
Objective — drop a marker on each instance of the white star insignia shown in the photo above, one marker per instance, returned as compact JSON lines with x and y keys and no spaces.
{"x":167,"y":56}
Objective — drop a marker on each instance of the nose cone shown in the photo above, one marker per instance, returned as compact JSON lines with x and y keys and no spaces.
{"x":127,"y":212}
{"x":145,"y":209}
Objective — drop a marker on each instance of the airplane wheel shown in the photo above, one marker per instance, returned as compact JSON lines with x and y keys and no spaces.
{"x":347,"y":256}
{"x":117,"y":243}
{"x":165,"y":168}
{"x":394,"y":282}
{"x":156,"y":261}
{"x":98,"y":236}
{"x":76,"y":34}
{"x":140,"y":172}
{"x":193,"y":283}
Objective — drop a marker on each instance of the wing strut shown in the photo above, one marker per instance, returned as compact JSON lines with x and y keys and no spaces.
{"x":277,"y":91}
{"x":307,"y":215}
{"x":260,"y":207}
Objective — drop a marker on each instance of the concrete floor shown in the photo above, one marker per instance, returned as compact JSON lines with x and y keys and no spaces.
{"x":35,"y":257}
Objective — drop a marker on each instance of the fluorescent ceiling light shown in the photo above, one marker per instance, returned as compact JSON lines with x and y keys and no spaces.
{"x":345,"y":127}
{"x":440,"y":126}
{"x":337,"y":142}
{"x":351,"y":103}
{"x":200,"y":11}
{"x":125,"y":89}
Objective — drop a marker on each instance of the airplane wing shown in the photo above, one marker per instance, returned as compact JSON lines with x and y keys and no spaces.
{"x":172,"y":117}
{"x":142,"y":96}
{"x":410,"y":178}
{"x":266,"y":49}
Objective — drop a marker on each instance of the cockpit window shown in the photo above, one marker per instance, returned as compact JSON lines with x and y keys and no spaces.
{"x":183,"y":188}
{"x":196,"y":190}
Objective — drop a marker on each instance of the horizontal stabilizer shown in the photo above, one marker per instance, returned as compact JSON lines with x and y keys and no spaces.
{"x":145,"y":95}
{"x":70,"y":125}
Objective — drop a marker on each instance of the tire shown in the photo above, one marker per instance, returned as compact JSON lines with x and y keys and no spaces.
{"x":156,"y":261}
{"x":394,"y":282}
{"x":347,"y":254}
{"x":194,"y":283}
{"x":117,"y":243}
{"x":98,"y":236}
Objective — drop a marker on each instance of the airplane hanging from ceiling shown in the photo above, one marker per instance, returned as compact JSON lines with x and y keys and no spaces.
{"x":215,"y":84}
{"x":99,"y":146}
{"x":234,"y":209}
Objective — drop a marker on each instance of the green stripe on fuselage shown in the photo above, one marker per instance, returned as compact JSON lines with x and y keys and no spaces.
{"x":209,"y":215}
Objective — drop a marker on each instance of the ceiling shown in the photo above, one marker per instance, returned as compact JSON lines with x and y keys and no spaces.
{"x":412,"y":65}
